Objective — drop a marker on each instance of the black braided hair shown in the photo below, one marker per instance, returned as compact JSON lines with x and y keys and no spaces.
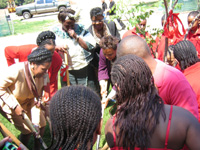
{"x":140,"y":104}
{"x":40,"y":56}
{"x":96,"y":12}
{"x":75,"y":113}
{"x":186,"y":54}
{"x":46,"y":37}
{"x":108,"y":42}
{"x":64,"y":13}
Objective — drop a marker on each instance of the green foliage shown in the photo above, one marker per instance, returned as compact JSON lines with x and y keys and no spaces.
{"x":133,"y":14}
{"x":3,"y":4}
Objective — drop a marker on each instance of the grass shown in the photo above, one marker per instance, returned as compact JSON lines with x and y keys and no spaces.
{"x":22,"y":27}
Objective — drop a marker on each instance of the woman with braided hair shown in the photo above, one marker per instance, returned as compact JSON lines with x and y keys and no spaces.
{"x":75,"y":114}
{"x":21,"y":83}
{"x":142,"y":120}
{"x":46,"y":39}
{"x":186,"y":55}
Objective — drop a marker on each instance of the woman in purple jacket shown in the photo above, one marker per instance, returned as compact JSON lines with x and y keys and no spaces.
{"x":107,"y":57}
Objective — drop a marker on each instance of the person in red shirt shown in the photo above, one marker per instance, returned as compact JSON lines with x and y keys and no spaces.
{"x":141,"y":28}
{"x":186,"y":54}
{"x":194,"y":33}
{"x":159,"y":45}
{"x":172,"y":85}
{"x":47,"y":39}
{"x":140,"y":31}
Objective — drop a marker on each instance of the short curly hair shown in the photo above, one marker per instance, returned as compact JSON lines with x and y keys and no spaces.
{"x":108,"y":42}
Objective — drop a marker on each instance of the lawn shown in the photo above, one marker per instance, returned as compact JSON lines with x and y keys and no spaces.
{"x":22,"y":27}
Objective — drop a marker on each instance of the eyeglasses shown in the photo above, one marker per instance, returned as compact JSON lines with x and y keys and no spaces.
{"x":97,"y":21}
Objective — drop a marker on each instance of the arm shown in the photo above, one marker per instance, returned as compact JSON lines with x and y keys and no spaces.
{"x":103,"y":71}
{"x":193,"y":133}
{"x":53,"y":73}
{"x":11,"y":54}
{"x":86,"y":40}
{"x":7,"y":79}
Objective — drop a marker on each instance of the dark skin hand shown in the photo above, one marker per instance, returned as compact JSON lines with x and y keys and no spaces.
{"x":80,"y":41}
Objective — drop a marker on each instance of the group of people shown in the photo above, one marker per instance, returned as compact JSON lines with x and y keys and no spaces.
{"x":158,"y":106}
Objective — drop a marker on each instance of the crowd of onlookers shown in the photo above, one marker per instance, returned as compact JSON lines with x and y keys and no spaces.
{"x":156,"y":87}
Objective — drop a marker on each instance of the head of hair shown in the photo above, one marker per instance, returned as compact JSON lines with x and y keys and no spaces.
{"x":108,"y":42}
{"x":186,"y":54}
{"x":193,"y":13}
{"x":40,"y":56}
{"x":75,"y":113}
{"x":96,"y":12}
{"x":135,"y":45}
{"x":67,"y":12}
{"x":46,"y":37}
{"x":140,"y":104}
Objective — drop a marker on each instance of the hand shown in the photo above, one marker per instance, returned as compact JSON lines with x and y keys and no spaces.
{"x":104,"y":102}
{"x":103,"y":89}
{"x":72,"y":33}
{"x":19,"y":110}
{"x":37,"y":133}
{"x":62,"y":49}
{"x":2,"y":142}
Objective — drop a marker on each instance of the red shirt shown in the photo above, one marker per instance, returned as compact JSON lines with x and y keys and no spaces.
{"x":195,"y":39}
{"x":133,"y":32}
{"x":192,"y":74}
{"x":22,"y":52}
{"x":18,"y":52}
{"x":159,"y":46}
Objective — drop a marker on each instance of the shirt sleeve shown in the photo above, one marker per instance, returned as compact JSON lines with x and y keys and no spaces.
{"x":6,"y":80}
{"x":103,"y":69}
{"x":11,"y":54}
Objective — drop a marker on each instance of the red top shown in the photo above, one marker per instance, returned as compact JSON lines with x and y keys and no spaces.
{"x":192,"y":74}
{"x":195,"y":39}
{"x":18,"y":52}
{"x":133,"y":32}
{"x":136,"y":148}
{"x":21,"y":53}
{"x":159,"y":45}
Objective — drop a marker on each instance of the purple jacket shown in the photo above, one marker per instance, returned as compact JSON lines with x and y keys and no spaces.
{"x":104,"y":67}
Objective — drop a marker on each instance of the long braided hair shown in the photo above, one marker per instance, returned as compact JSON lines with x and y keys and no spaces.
{"x":139,"y":103}
{"x":75,"y":113}
{"x":40,"y":56}
{"x":186,"y":54}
